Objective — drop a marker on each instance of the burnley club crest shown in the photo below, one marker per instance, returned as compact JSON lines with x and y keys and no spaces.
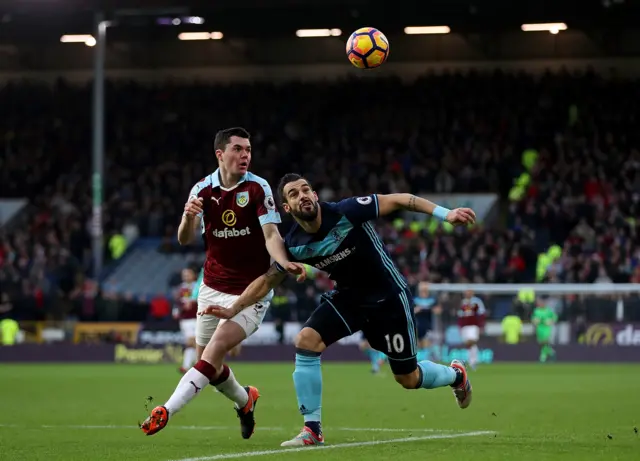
{"x":242,"y":199}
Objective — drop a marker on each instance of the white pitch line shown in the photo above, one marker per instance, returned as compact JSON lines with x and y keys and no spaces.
{"x":219,"y":428}
{"x":249,"y":454}
{"x":385,"y":429}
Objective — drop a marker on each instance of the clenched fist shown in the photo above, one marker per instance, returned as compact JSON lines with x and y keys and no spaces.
{"x":193,"y":207}
{"x":461,"y":217}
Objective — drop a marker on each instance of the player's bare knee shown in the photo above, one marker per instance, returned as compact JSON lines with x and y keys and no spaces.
{"x":199,"y":351}
{"x":310,"y":340}
{"x":409,"y":381}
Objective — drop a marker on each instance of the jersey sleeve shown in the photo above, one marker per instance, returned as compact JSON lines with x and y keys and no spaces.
{"x":359,"y":209}
{"x":266,"y":205}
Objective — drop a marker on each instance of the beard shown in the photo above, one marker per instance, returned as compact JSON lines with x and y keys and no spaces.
{"x":303,"y":215}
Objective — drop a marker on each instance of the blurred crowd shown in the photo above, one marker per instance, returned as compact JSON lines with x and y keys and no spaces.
{"x":451,"y":133}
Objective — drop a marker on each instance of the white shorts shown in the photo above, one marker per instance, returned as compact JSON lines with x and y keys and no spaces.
{"x":470,"y":333}
{"x":188,"y":328}
{"x":249,"y":319}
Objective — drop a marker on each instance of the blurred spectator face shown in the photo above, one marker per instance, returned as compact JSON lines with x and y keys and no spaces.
{"x":188,"y":276}
{"x":236,"y":156}
{"x":423,"y":290}
{"x":468,"y":294}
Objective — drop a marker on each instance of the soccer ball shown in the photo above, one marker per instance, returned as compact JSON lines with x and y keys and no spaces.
{"x":367,"y":48}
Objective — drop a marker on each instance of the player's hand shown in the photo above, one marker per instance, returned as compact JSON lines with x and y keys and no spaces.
{"x":193,"y":207}
{"x":461,"y":217}
{"x":417,"y":310}
{"x":298,"y":270}
{"x":219,"y":312}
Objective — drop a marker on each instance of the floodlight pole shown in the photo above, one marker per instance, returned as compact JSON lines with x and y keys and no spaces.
{"x":97,"y":154}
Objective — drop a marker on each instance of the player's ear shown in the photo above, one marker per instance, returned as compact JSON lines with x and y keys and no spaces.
{"x":219,"y":155}
{"x":286,"y":207}
{"x":315,"y":195}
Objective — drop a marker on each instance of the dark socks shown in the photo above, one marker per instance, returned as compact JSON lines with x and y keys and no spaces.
{"x":315,"y":426}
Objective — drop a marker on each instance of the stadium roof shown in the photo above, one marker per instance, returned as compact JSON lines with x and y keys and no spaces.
{"x":19,"y":18}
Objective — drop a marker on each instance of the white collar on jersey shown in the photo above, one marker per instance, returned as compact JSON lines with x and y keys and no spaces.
{"x":215,"y":180}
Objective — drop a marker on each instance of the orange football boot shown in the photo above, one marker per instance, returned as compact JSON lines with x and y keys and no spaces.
{"x":463,"y":392}
{"x":246,"y":413}
{"x":156,"y":421}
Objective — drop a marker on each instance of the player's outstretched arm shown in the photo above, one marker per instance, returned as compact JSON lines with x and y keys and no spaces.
{"x":389,"y":203}
{"x":257,"y":290}
{"x":275,"y":246}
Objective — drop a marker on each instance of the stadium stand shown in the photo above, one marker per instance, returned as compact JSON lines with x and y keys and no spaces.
{"x":573,"y":219}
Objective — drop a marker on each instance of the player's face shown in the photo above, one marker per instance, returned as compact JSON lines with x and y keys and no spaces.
{"x":300,"y":200}
{"x":236,"y":156}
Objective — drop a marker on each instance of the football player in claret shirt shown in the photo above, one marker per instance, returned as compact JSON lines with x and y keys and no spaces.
{"x":186,"y":310}
{"x":370,"y":295}
{"x":236,"y":214}
{"x":471,"y":319}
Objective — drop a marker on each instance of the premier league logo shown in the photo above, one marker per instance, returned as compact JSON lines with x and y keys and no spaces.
{"x":269,"y":203}
{"x":242,"y":199}
{"x":336,"y":235}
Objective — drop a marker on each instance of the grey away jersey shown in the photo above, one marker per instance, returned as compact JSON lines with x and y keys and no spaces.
{"x":348,"y":248}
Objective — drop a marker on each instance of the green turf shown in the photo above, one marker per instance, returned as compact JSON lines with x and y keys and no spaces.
{"x":538,"y":412}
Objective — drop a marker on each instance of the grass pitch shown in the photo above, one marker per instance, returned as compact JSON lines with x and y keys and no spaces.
{"x":519,"y":412}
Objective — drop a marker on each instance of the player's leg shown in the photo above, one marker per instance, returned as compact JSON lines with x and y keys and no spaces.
{"x":471,"y":336}
{"x":188,"y":328}
{"x":193,"y":381}
{"x":424,"y":345}
{"x":473,"y":354}
{"x":199,"y":351}
{"x":544,"y":340}
{"x":372,"y":354}
{"x":202,"y":373}
{"x":235,"y":352}
{"x":327,"y":324}
{"x":381,"y":358}
{"x":227,"y":337}
{"x":391,"y":329}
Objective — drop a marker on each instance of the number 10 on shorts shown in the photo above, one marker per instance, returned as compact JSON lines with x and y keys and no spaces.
{"x":395,"y":343}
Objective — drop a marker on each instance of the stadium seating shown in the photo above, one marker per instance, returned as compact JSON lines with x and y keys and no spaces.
{"x":442,"y":133}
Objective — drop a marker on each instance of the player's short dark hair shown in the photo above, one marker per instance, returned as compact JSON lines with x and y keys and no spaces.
{"x":224,"y":136}
{"x":286,"y":179}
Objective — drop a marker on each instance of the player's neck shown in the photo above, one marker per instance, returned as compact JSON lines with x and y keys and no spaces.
{"x":227,"y":179}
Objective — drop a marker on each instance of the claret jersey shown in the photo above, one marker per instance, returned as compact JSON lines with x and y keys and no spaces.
{"x":232,"y":221}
